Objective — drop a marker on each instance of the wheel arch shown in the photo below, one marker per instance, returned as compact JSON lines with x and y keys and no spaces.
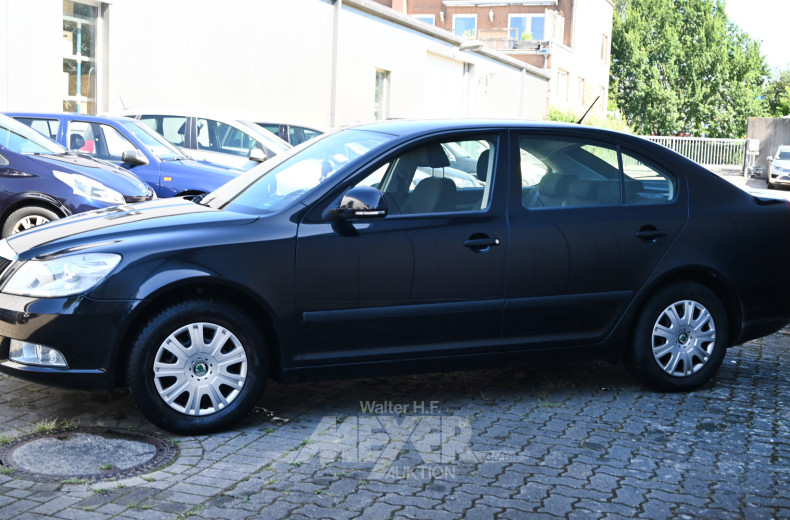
{"x":41,"y":200}
{"x":199,"y":288}
{"x":726,"y":294}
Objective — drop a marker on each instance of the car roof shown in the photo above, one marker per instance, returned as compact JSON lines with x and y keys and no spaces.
{"x":70,"y":115}
{"x":408,"y":127}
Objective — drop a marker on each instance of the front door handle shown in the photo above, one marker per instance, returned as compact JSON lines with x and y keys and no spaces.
{"x":481,"y":244}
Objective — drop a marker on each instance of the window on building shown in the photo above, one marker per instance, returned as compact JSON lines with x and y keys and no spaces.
{"x":580,"y":90}
{"x":561,"y":88}
{"x":79,"y":57}
{"x":604,"y":47}
{"x":526,"y":26}
{"x":425,"y":18}
{"x":381,"y":97}
{"x":465,"y":25}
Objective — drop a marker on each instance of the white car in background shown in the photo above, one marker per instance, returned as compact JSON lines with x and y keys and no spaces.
{"x":779,"y":169}
{"x":232,"y":142}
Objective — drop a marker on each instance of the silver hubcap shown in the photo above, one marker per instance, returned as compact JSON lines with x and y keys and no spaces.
{"x":28,"y":222}
{"x":200,"y":369}
{"x":684,"y":337}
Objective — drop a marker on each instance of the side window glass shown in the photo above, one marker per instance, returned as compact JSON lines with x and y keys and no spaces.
{"x":565,"y":172}
{"x":46,"y":127}
{"x":172,"y":128}
{"x":206,"y":138}
{"x":116,"y":143}
{"x":646,"y":184}
{"x":233,"y":141}
{"x":441,"y":177}
{"x":80,"y":137}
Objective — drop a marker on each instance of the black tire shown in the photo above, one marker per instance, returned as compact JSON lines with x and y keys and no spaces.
{"x":699,"y":346}
{"x":197,"y":372}
{"x":27,"y":217}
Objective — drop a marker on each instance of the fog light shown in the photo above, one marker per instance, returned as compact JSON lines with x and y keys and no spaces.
{"x":35,"y":354}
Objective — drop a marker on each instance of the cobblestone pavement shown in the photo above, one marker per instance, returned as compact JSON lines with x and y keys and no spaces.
{"x":579,"y":441}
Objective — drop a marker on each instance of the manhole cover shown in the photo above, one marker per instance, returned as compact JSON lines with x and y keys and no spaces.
{"x":87,"y":454}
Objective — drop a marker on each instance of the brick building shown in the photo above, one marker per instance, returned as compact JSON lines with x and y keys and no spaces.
{"x":570,"y":39}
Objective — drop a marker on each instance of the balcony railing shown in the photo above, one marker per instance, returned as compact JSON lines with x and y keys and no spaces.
{"x":503,"y":39}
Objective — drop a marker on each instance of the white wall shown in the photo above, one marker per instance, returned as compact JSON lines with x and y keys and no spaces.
{"x":31,"y":63}
{"x":592,"y":20}
{"x":269,"y":59}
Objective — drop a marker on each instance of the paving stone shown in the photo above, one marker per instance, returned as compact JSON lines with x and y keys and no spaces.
{"x":546,"y":451}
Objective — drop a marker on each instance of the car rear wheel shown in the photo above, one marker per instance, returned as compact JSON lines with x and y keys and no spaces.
{"x":26,"y":218}
{"x":680,"y":338}
{"x":197,"y":367}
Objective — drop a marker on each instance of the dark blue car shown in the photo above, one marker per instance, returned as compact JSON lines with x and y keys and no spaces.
{"x":41,"y":181}
{"x":134,"y":146}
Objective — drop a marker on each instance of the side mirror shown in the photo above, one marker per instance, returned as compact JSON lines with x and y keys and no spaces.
{"x":134,"y":158}
{"x":361,"y":202}
{"x":770,"y":158}
{"x":256,"y":154}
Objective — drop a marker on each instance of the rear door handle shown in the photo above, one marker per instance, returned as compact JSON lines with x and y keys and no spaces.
{"x":650,"y":234}
{"x":481,"y":244}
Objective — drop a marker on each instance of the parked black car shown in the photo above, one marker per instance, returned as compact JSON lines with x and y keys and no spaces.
{"x":41,"y":181}
{"x":330,"y":262}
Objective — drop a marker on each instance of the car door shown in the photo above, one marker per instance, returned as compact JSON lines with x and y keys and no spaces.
{"x":427,"y":280}
{"x":588,"y":224}
{"x":222,"y":143}
{"x":109,"y":142}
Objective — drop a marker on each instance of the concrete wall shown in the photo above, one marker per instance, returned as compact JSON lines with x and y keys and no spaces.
{"x":274,"y":59}
{"x":772,"y":133}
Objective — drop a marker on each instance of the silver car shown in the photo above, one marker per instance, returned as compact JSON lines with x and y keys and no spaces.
{"x":779,"y":170}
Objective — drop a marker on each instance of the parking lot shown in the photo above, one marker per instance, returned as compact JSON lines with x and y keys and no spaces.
{"x":578,"y":440}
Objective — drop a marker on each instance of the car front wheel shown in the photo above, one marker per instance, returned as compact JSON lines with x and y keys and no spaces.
{"x":197,"y":367}
{"x":26,"y":218}
{"x":680,"y":338}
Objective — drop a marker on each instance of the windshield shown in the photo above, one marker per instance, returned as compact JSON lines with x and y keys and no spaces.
{"x":20,"y":138}
{"x":278,"y":181}
{"x":276,"y":144}
{"x":157,"y":144}
{"x":784,"y":155}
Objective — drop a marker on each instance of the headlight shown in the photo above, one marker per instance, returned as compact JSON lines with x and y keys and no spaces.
{"x":63,"y":276}
{"x":87,"y":187}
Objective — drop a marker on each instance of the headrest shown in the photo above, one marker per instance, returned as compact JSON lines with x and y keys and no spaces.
{"x":585,"y":189}
{"x":76,"y":141}
{"x":432,"y":156}
{"x":555,"y":184}
{"x":482,"y":165}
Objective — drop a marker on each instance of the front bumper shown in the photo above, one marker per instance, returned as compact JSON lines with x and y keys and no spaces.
{"x":779,"y":178}
{"x":87,"y":332}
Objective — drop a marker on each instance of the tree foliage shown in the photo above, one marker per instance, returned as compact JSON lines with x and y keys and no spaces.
{"x":777,"y":94}
{"x":680,"y":67}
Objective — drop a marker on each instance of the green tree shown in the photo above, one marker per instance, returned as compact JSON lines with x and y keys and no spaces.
{"x":679,"y":66}
{"x":777,"y":94}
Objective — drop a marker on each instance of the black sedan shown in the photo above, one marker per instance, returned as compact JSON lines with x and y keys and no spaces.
{"x":330,"y":261}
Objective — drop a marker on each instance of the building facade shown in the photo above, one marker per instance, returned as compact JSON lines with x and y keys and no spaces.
{"x":570,"y":39}
{"x":326,"y":62}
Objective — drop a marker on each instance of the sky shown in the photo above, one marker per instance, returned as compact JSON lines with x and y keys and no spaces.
{"x":766,"y":21}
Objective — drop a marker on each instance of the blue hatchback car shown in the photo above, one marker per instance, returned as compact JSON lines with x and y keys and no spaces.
{"x":134,"y":146}
{"x":41,"y":181}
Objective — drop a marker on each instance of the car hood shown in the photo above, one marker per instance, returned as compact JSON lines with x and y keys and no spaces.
{"x":122,"y":181}
{"x":109,"y":224}
{"x":191,"y":165}
{"x":781,"y":163}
